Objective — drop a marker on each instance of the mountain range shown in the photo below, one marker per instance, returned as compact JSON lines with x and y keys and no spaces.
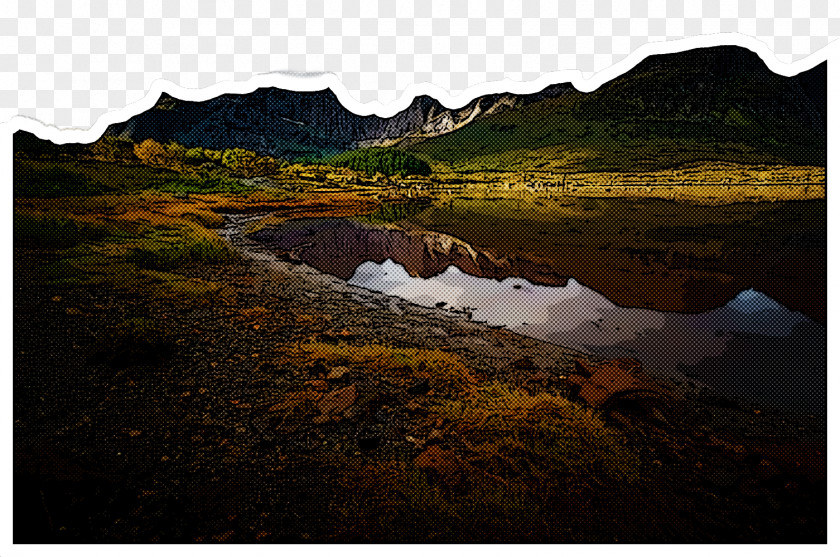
{"x":719,"y":103}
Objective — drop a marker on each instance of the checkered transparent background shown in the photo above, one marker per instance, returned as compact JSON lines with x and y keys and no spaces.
{"x":66,"y":62}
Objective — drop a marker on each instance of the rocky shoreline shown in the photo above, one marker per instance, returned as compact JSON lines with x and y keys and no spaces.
{"x":207,"y":446}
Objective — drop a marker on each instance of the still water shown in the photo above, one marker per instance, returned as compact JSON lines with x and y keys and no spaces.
{"x":752,"y":347}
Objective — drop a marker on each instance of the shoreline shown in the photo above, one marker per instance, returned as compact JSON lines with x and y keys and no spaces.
{"x":228,"y":427}
{"x":234,"y":232}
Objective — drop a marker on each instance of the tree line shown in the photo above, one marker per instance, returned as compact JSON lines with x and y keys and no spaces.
{"x":390,"y":162}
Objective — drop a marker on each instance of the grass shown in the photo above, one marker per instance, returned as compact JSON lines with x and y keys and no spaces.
{"x":528,"y":462}
{"x":55,"y":230}
{"x":619,"y":128}
{"x":85,"y":177}
{"x":166,"y":255}
{"x":531,"y":433}
{"x":587,"y":203}
{"x":57,"y":182}
{"x":64,"y":178}
{"x":443,"y":369}
{"x":150,"y":222}
{"x":205,"y":184}
{"x":93,"y":250}
{"x":113,"y":272}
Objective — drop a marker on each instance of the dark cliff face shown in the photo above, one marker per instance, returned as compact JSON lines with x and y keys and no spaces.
{"x":293,"y":124}
{"x":706,"y":87}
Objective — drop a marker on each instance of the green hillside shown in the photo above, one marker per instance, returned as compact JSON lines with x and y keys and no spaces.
{"x":659,"y":115}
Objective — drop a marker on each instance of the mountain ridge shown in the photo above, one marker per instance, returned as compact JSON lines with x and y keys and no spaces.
{"x":726,"y":94}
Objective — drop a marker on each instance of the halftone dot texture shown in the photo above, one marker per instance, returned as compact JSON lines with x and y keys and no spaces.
{"x":167,"y":390}
{"x":67,"y":63}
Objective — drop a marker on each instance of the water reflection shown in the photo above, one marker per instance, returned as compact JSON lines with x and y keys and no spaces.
{"x":752,"y":347}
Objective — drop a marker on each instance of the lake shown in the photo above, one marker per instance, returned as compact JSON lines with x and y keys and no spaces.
{"x":732,"y":297}
{"x":751,"y":348}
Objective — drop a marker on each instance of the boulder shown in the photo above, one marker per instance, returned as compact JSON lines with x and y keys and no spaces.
{"x":318,"y":385}
{"x":791,"y":458}
{"x":525,"y":363}
{"x":442,"y":463}
{"x":621,"y":385}
{"x":336,"y":402}
{"x":337,"y":373}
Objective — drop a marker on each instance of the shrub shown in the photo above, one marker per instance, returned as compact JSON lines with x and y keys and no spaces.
{"x":213,"y":155}
{"x":238,"y":159}
{"x":195,"y":155}
{"x":521,"y":462}
{"x":160,"y":255}
{"x":268,"y":165}
{"x":175,"y":152}
{"x":445,"y":370}
{"x":151,"y":152}
{"x":55,"y":231}
{"x":110,"y":147}
{"x":204,"y":184}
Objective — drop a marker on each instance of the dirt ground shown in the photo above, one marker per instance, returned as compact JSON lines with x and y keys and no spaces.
{"x":291,"y":407}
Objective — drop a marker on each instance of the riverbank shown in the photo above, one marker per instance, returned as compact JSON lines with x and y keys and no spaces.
{"x":289,"y":406}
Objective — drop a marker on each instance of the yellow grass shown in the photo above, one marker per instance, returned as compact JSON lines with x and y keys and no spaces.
{"x":441,"y":368}
{"x":708,"y":182}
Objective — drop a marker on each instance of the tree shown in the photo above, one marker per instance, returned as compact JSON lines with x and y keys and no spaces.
{"x":195,"y":155}
{"x":213,"y":155}
{"x":110,"y":147}
{"x":390,"y":162}
{"x":238,"y":159}
{"x":175,"y":152}
{"x":151,"y":152}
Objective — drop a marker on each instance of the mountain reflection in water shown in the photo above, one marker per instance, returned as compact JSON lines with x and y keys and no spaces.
{"x":751,"y":348}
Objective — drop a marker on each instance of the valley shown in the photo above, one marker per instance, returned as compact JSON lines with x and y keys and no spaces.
{"x":556,"y":317}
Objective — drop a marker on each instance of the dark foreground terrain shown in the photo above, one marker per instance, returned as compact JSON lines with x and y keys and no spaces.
{"x":285,"y":406}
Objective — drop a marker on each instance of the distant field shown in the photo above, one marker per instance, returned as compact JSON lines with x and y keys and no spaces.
{"x":704,"y":183}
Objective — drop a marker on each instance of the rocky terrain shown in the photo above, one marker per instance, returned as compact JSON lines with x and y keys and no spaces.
{"x":292,"y":407}
{"x":182,"y":374}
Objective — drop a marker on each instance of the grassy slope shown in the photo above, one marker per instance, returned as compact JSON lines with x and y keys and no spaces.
{"x":117,"y":225}
{"x":623,"y":126}
{"x":130,"y":226}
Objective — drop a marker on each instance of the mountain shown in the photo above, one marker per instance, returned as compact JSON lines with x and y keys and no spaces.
{"x":720,"y":103}
{"x":292,"y":124}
